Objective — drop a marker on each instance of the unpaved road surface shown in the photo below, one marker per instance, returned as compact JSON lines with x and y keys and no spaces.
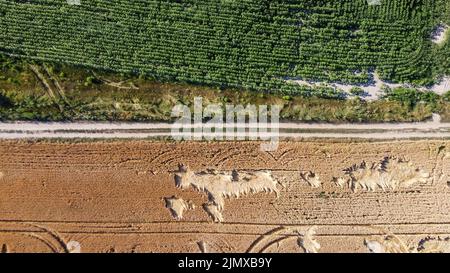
{"x":104,"y":130}
{"x":123,"y":197}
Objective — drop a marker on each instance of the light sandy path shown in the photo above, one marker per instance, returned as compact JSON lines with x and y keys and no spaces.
{"x":102,"y":130}
{"x":386,"y":135}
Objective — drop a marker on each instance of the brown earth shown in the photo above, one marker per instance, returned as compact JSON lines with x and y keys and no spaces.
{"x":123,"y":196}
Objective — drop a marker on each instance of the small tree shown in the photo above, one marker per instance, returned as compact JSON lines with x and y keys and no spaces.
{"x":5,"y":101}
{"x":357,"y":91}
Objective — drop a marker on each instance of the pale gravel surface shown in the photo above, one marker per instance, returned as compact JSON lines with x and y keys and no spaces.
{"x":102,"y":130}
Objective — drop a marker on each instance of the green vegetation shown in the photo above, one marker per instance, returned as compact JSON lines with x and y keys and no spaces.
{"x":246,"y":44}
{"x":412,"y":97}
{"x":357,"y":91}
{"x":134,"y":60}
{"x":447,"y":96}
{"x":442,"y":52}
{"x":87,"y":94}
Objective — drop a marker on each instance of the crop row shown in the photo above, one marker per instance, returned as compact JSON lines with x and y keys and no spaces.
{"x":252,"y":44}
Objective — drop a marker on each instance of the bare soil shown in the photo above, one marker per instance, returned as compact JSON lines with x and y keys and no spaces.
{"x":152,"y":196}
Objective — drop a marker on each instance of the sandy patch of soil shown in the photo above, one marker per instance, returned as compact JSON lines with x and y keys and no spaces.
{"x":373,"y":89}
{"x":439,"y":35}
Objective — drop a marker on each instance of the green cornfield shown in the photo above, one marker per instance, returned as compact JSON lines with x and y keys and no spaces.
{"x":251,"y":44}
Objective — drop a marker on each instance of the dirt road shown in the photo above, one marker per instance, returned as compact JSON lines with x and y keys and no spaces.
{"x":103,"y":130}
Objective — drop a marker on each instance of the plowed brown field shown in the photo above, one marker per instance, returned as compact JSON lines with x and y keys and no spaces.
{"x":123,"y":196}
